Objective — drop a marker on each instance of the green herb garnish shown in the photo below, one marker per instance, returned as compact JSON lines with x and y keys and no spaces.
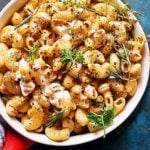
{"x":90,"y":9}
{"x":27,"y":19}
{"x":97,"y":102}
{"x":6,"y":99}
{"x":32,"y":52}
{"x":78,"y":3}
{"x":117,"y":75}
{"x":79,"y":57}
{"x":128,"y":8}
{"x":123,"y":10}
{"x":72,"y":55}
{"x":65,"y":2}
{"x":67,"y":55}
{"x":103,"y":120}
{"x":56,"y":118}
{"x":124,"y":54}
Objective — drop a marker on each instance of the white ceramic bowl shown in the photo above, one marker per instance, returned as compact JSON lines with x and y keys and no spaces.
{"x":5,"y":15}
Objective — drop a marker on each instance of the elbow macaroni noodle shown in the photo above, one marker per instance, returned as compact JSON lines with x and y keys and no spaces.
{"x":45,"y":84}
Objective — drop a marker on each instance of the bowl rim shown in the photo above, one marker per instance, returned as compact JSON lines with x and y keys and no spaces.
{"x":88,"y":137}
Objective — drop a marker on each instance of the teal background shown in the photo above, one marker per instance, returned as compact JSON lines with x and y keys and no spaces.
{"x":134,"y":133}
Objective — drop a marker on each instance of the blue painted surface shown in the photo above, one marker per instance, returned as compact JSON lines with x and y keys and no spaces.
{"x":134,"y":134}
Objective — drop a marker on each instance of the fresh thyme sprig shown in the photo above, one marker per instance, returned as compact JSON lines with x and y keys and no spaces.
{"x":124,"y":54}
{"x":32,"y":52}
{"x":103,"y":120}
{"x":65,"y":2}
{"x":78,"y":3}
{"x":127,"y":55}
{"x":90,"y":9}
{"x":125,"y":9}
{"x":56,"y":118}
{"x":27,"y":19}
{"x":126,"y":13}
{"x":129,"y":9}
{"x":117,"y":75}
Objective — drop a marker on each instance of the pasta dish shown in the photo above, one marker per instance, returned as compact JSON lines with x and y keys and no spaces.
{"x":69,"y":66}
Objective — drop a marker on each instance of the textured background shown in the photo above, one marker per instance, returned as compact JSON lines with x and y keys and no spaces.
{"x":134,"y":134}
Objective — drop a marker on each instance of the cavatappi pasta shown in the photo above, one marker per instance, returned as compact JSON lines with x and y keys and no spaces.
{"x":62,"y":61}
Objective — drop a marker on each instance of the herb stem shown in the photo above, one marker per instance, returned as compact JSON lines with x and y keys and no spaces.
{"x":27,"y":19}
{"x":117,"y":75}
{"x":125,"y":55}
{"x":103,"y":119}
{"x":55,"y":119}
